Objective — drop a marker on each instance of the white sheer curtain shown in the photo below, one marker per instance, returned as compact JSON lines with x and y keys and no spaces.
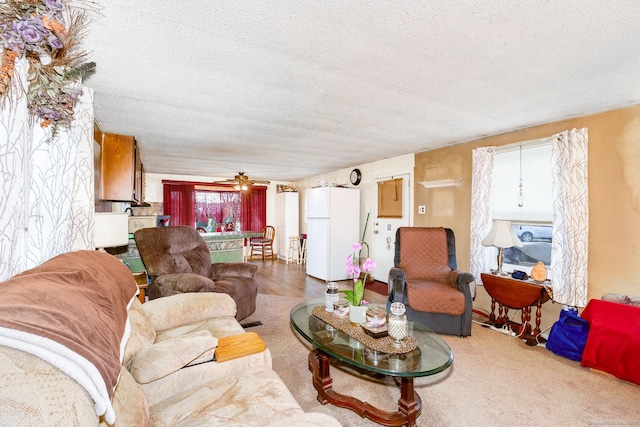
{"x":47,"y":202}
{"x":14,"y":132}
{"x":481,"y":206}
{"x":570,"y":245}
{"x":83,"y":197}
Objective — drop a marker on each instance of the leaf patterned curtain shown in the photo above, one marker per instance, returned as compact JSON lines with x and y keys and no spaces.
{"x":570,"y":244}
{"x":481,"y":207}
{"x":14,"y":134}
{"x":47,"y":202}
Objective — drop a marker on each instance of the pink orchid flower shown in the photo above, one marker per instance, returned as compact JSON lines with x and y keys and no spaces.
{"x":369,"y":265}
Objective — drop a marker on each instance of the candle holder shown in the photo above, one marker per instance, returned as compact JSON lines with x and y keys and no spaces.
{"x":397,"y":325}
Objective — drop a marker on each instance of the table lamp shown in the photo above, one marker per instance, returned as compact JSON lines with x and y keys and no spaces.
{"x":111,"y":230}
{"x":501,"y":236}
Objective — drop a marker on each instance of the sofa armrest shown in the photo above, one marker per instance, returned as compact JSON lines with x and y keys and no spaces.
{"x":183,"y":283}
{"x":464,"y":282}
{"x":397,"y":284}
{"x":166,"y":357}
{"x":622,"y":299}
{"x":183,"y":309}
{"x":226,"y":269}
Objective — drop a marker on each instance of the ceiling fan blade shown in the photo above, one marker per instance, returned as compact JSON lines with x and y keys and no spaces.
{"x":240,"y":179}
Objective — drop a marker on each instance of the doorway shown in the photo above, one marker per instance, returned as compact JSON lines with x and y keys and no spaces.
{"x":384,"y":226}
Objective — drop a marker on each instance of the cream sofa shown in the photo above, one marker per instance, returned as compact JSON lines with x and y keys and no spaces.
{"x":166,"y":378}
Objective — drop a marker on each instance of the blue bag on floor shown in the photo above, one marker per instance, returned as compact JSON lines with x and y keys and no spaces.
{"x":568,"y":335}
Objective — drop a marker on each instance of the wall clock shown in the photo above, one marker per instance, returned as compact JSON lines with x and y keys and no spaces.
{"x":355,"y":177}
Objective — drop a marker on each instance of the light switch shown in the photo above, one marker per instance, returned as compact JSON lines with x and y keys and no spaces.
{"x":422,"y":210}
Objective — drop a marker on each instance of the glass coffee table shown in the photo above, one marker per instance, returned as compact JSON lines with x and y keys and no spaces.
{"x":431,"y":355}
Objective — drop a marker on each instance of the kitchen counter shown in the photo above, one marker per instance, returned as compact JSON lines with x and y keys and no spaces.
{"x":226,"y":246}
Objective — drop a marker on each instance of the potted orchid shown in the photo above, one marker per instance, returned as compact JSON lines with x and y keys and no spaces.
{"x":355,"y":296}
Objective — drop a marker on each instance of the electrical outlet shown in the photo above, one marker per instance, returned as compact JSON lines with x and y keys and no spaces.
{"x":422,"y":210}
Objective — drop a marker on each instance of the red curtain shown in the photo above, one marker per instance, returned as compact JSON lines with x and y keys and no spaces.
{"x":254,"y":208}
{"x":179,"y":202}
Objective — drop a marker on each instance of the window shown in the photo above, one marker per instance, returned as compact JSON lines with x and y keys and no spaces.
{"x":218,"y":210}
{"x":522,"y":194}
{"x":215,"y":208}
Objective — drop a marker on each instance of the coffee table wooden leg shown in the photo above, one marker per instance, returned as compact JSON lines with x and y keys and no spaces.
{"x":319,"y":366}
{"x":409,"y":404}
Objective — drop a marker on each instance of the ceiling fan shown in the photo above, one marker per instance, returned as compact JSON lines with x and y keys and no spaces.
{"x":241,"y":182}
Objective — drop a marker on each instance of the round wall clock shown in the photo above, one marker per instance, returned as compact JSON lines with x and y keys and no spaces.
{"x":356,"y":176}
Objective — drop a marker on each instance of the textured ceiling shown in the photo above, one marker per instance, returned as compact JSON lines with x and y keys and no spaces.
{"x":288,"y":89}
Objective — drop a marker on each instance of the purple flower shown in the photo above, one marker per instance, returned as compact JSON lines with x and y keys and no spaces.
{"x":32,"y":32}
{"x":10,"y":40}
{"x":356,"y":246}
{"x":49,"y":113}
{"x":54,"y":5}
{"x":74,"y":93}
{"x":54,"y":42}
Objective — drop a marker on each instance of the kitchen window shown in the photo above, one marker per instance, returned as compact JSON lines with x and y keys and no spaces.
{"x":215,"y":208}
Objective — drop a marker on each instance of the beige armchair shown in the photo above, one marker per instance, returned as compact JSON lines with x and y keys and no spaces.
{"x":178,"y":260}
{"x":426,"y":280}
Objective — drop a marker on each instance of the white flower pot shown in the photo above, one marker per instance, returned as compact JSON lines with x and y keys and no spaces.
{"x":357,"y":313}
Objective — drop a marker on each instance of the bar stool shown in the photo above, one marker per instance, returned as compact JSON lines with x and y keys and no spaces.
{"x":246,"y":249}
{"x":294,"y":249}
{"x":303,"y":249}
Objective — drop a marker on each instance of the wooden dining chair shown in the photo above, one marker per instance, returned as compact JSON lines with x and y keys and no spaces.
{"x":264,"y":245}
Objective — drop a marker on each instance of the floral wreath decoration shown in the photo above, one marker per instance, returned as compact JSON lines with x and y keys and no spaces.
{"x":36,"y":29}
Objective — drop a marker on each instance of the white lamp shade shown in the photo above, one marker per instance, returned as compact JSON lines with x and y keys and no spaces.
{"x":502,"y":236}
{"x":111,"y":229}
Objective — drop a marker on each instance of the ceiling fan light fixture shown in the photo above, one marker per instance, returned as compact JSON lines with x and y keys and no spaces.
{"x":241,"y":182}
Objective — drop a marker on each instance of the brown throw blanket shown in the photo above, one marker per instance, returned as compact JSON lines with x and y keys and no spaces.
{"x":72,"y":312}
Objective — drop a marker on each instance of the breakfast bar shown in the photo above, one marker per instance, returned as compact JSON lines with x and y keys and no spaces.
{"x":225,"y":246}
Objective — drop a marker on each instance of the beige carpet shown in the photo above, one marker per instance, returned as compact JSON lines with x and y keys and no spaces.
{"x":495,"y":380}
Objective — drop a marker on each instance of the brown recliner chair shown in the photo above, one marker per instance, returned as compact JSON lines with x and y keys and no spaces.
{"x":178,"y":260}
{"x":426,"y":280}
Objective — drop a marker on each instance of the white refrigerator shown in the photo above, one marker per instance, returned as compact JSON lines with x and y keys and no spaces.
{"x":333,"y":224}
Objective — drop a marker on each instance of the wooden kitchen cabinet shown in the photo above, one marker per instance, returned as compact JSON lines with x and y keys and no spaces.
{"x":122,"y":173}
